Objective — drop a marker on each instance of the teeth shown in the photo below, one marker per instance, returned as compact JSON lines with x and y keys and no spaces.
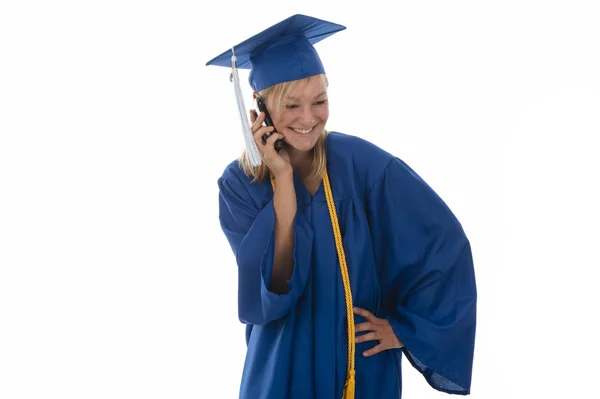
{"x":303,"y":131}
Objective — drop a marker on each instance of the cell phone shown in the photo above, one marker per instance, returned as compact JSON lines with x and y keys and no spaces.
{"x":268,"y":122}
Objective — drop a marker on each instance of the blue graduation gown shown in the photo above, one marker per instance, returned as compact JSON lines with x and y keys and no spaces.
{"x":409,"y":261}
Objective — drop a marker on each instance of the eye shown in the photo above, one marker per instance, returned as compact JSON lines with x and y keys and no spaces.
{"x":291,"y":106}
{"x":321,"y":102}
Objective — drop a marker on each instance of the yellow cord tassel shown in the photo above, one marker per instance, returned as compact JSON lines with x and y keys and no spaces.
{"x":350,"y":385}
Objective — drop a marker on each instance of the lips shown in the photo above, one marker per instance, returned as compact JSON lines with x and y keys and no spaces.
{"x":302,"y":131}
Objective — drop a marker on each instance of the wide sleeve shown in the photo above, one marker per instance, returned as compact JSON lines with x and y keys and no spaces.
{"x":251,"y":234}
{"x":427,"y":277}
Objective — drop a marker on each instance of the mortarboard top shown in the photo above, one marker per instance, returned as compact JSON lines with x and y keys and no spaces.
{"x":282,"y":53}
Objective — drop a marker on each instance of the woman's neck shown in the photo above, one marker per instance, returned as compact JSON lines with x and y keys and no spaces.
{"x":301,"y":161}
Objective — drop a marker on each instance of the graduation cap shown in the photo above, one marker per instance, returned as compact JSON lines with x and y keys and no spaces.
{"x":282,"y":53}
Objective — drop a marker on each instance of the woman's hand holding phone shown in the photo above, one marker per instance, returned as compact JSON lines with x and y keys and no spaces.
{"x":277,"y":162}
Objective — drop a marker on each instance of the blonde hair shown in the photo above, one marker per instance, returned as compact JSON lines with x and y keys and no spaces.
{"x":277,"y":94}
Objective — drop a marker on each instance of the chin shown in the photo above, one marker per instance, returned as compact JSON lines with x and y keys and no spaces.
{"x":302,"y":143}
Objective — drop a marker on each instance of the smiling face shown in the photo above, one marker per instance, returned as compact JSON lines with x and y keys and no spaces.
{"x":302,"y":114}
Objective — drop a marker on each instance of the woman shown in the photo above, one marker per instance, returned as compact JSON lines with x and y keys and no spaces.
{"x":347,"y":259}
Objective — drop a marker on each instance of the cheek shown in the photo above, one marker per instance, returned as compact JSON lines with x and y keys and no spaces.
{"x":322,"y":113}
{"x":285,"y":119}
{"x":279,"y":120}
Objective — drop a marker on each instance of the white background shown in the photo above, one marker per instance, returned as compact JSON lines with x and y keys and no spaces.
{"x":116,"y":281}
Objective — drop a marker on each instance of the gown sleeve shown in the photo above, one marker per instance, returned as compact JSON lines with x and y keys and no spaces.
{"x":427,"y":276}
{"x":251,"y":234}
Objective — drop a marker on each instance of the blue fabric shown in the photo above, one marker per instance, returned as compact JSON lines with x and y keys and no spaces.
{"x":281,"y":53}
{"x":409,"y":261}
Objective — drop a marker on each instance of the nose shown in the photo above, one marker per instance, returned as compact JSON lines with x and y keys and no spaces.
{"x":307,"y":118}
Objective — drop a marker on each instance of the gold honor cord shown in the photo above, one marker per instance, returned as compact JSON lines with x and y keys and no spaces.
{"x":349,"y":387}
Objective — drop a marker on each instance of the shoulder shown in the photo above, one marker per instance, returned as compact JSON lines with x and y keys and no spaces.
{"x":233,"y":172}
{"x":235,"y":183}
{"x":359,"y":147}
{"x":357,"y":158}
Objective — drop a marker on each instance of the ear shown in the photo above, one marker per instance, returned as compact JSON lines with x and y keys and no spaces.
{"x":254,"y":95}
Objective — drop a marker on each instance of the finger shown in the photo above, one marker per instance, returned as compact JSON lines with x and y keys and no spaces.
{"x":254,"y":117}
{"x":268,"y":149}
{"x":258,"y":134}
{"x":372,"y":336}
{"x":267,"y":136}
{"x":257,"y":121}
{"x":273,"y":138}
{"x":365,"y":313}
{"x":269,"y":153}
{"x":367,"y":326}
{"x":375,"y":350}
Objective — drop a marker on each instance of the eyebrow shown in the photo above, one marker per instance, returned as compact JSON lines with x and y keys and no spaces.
{"x":296,"y":98}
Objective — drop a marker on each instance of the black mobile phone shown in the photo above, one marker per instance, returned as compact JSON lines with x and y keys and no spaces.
{"x":268,"y":122}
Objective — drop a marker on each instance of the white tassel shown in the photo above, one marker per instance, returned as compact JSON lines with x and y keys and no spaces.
{"x":253,"y":153}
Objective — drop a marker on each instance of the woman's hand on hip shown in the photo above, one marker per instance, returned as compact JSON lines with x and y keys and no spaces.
{"x":378,"y":330}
